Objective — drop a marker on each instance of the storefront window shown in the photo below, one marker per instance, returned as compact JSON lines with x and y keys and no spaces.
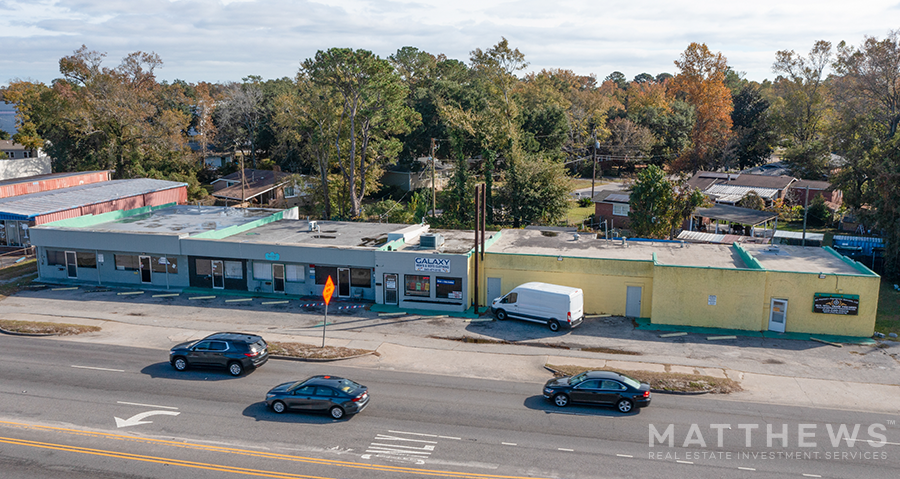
{"x":204,"y":267}
{"x":234,"y":270}
{"x":322,"y":273}
{"x":294,"y":273}
{"x":417,"y":285}
{"x":262,"y":271}
{"x":361,"y":278}
{"x":56,"y":257}
{"x":450,"y":288}
{"x":164,"y":264}
{"x":86,"y":260}
{"x":126,"y":262}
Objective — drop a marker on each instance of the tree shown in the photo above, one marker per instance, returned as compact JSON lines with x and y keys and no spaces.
{"x":240,"y":114}
{"x":872,"y":77}
{"x":535,"y":190}
{"x":800,"y":114}
{"x":701,"y":81}
{"x":658,"y":206}
{"x":753,"y":201}
{"x":644,"y":78}
{"x":372,"y":109}
{"x":309,"y":119}
{"x":617,"y":78}
{"x":754,"y":136}
{"x":627,"y":140}
{"x":496,"y":67}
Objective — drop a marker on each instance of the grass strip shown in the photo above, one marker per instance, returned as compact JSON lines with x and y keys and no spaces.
{"x":38,"y":327}
{"x":663,"y":381}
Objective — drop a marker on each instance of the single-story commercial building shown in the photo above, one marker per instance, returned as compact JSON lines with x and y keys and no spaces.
{"x":18,"y":214}
{"x":737,"y":286}
{"x":260,"y":250}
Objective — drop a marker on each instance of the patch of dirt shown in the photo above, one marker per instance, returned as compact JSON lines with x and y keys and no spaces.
{"x":308,"y":351}
{"x":773,"y":361}
{"x":674,"y":382}
{"x":34,"y":327}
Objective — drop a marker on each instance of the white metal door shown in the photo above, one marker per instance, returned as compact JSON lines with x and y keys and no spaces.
{"x":777,"y":315}
{"x":390,"y":288}
{"x":633,"y":302}
{"x":493,"y":290}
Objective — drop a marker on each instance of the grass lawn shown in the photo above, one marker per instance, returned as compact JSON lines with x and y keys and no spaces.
{"x":887,"y":319}
{"x":576,"y":214}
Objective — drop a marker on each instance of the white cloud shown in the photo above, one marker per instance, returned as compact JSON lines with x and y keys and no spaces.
{"x":225,"y":40}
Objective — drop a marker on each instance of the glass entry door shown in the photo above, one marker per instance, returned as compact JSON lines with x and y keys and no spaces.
{"x":218,"y":274}
{"x":278,"y":278}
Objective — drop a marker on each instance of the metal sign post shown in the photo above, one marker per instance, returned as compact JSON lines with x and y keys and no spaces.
{"x":326,"y":295}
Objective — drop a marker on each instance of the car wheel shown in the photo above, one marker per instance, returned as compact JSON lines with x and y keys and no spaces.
{"x":278,"y":407}
{"x":337,"y":412}
{"x":624,"y":405}
{"x":180,"y":364}
{"x":553,"y":325}
{"x":561,"y":400}
{"x":235,"y":368}
{"x":501,"y":315}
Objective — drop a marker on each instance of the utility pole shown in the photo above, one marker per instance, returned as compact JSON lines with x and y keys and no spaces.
{"x":433,"y":202}
{"x":805,"y":210}
{"x":593,"y":159}
{"x":478,"y":209}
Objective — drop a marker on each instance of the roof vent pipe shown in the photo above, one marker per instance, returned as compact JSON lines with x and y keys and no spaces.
{"x":625,"y":241}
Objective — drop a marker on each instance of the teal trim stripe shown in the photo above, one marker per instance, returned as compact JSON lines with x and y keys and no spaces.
{"x":855,"y":264}
{"x":91,"y":220}
{"x":235,"y":229}
{"x":746,"y":257}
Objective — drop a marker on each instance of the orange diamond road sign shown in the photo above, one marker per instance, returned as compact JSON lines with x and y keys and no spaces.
{"x":328,"y":291}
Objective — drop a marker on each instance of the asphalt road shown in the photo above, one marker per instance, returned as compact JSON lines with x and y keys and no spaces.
{"x":60,"y":401}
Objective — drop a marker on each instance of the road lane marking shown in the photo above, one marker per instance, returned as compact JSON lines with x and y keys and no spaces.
{"x":564,"y":449}
{"x":811,"y":475}
{"x":221,"y":449}
{"x":509,"y":444}
{"x":624,"y":455}
{"x":746,"y":468}
{"x":166,"y":295}
{"x":145,"y":405}
{"x":684,"y":462}
{"x":99,"y":369}
{"x":136,"y":420}
{"x":425,"y":435}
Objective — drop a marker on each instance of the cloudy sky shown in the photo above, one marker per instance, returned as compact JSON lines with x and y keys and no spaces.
{"x":225,"y":40}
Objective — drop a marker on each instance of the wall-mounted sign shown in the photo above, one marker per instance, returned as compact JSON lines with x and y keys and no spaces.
{"x":433,"y":265}
{"x":272,"y":256}
{"x":828,"y":303}
{"x":711,"y":301}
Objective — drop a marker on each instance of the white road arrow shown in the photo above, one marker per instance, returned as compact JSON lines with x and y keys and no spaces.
{"x":136,"y":419}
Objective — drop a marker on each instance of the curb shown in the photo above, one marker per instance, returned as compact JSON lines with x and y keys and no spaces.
{"x":658,"y":391}
{"x":16,"y":333}
{"x":319,"y":360}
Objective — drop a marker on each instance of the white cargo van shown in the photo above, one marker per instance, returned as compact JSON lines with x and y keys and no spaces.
{"x":543,"y":303}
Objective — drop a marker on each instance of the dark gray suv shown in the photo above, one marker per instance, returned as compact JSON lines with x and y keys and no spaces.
{"x":233,"y":351}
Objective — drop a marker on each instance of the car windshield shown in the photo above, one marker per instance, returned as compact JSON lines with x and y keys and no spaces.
{"x":348,"y":386}
{"x":575,"y":380}
{"x":295,"y":385}
{"x":630,"y":381}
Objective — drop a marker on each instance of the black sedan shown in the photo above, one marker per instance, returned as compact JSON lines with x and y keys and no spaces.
{"x":599,"y":387}
{"x":337,"y":396}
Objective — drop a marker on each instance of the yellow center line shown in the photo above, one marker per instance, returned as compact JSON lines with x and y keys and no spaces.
{"x":220,"y":449}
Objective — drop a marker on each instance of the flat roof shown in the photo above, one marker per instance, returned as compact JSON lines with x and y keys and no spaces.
{"x":338,"y":234}
{"x":807,"y":259}
{"x":736,"y":214}
{"x":455,"y":242}
{"x":589,"y":246}
{"x":46,"y":202}
{"x":175,"y":220}
{"x":49,"y":176}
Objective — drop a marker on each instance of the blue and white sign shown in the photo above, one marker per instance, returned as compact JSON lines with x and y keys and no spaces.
{"x":433,"y":265}
{"x":272,"y":256}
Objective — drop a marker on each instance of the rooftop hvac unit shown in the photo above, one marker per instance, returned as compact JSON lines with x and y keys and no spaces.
{"x":431,"y":241}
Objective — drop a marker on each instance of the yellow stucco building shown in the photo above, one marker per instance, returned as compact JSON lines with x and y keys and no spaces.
{"x":744,"y":287}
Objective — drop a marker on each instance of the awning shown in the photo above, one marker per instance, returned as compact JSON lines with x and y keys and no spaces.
{"x":735,"y":214}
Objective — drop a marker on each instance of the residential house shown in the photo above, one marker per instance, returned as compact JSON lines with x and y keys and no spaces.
{"x":22,"y":161}
{"x":612,"y":206}
{"x":259,"y":188}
